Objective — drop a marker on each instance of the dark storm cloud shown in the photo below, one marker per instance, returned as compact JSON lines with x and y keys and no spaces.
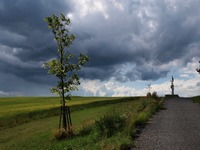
{"x":22,"y":22}
{"x":25,"y":40}
{"x":178,"y":30}
{"x":125,"y":40}
{"x":25,"y":43}
{"x":150,"y":32}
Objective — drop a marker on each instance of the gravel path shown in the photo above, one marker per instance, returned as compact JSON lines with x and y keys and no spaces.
{"x":176,"y":128}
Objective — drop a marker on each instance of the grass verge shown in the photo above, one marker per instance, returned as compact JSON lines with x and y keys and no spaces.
{"x":97,"y":125}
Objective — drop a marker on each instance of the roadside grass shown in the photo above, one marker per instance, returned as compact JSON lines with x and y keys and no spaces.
{"x":98,"y":125}
{"x":196,"y":99}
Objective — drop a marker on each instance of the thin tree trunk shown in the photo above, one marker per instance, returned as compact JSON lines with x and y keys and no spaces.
{"x":63,"y":92}
{"x":63,"y":102}
{"x":60,"y":117}
{"x":70,"y":120}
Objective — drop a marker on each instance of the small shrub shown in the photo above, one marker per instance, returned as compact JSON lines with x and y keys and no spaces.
{"x":154,"y":95}
{"x":148,"y":94}
{"x":63,"y":133}
{"x":110,"y":124}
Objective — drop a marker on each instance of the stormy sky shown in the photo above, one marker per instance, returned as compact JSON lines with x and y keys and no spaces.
{"x":131,"y":44}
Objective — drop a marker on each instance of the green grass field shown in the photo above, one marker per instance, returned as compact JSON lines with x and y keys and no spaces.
{"x":28,"y":122}
{"x":18,"y":110}
{"x":12,"y":106}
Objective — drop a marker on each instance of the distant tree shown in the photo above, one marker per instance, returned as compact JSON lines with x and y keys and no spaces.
{"x":66,"y":66}
{"x":198,"y":69}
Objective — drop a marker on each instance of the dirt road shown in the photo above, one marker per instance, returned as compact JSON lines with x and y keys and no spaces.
{"x":176,"y":128}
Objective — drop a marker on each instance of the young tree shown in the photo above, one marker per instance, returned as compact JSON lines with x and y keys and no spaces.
{"x":198,"y":69}
{"x":66,"y":66}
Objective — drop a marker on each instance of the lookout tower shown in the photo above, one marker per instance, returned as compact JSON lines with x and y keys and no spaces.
{"x":198,"y":69}
{"x":172,"y":95}
{"x":172,"y":85}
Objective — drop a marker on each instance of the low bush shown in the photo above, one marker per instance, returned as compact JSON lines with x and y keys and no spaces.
{"x":155,"y":96}
{"x":110,"y":124}
{"x":148,"y":94}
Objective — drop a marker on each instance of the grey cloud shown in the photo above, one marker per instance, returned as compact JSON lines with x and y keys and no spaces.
{"x":102,"y":73}
{"x":22,"y":22}
{"x":198,"y":84}
{"x":25,"y":42}
{"x":12,"y":85}
{"x":175,"y":30}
